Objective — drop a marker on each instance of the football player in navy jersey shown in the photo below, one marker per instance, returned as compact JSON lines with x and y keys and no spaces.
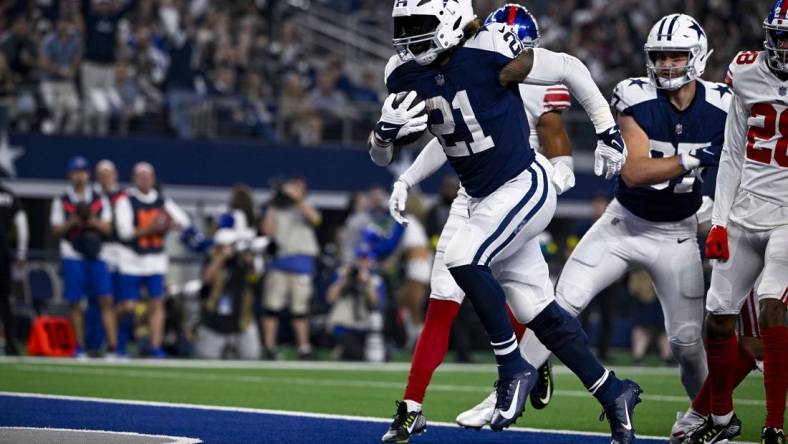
{"x":673,"y":123}
{"x":467,"y":75}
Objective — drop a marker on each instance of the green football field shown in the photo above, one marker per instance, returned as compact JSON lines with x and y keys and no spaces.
{"x":358,"y":390}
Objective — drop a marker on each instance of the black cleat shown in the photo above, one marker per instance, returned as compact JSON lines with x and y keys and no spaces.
{"x":620,"y":413}
{"x":405,"y":424}
{"x":542,"y":392}
{"x":711,"y":433}
{"x":511,"y":395}
{"x":770,"y":435}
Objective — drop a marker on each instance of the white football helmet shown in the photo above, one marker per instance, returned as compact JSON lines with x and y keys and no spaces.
{"x":677,"y":33}
{"x":425,"y":28}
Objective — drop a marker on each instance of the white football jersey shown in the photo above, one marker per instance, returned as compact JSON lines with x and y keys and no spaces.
{"x":539,"y":100}
{"x":752,"y":183}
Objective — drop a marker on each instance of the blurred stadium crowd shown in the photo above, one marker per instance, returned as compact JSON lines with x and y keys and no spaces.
{"x":254,"y":69}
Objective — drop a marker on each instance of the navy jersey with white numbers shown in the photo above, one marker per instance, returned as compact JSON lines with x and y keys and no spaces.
{"x":482,"y":125}
{"x":671,"y":132}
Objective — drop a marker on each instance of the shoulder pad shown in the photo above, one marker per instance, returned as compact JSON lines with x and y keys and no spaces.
{"x":743,"y":62}
{"x":718,"y":94}
{"x":496,"y":37}
{"x":631,"y":92}
{"x":394,"y":62}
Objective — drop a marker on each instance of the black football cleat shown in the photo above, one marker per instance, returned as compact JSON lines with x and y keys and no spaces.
{"x":711,"y":432}
{"x":770,"y":435}
{"x":511,"y":395}
{"x":620,"y":413}
{"x":542,"y":392}
{"x":405,"y":424}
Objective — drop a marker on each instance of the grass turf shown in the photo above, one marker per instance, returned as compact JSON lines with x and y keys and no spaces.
{"x":361,"y":392}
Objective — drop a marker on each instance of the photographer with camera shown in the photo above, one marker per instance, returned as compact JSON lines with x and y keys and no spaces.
{"x":354,"y":299}
{"x":144,"y":216}
{"x":227,"y":323}
{"x":81,"y":218}
{"x":290,"y":223}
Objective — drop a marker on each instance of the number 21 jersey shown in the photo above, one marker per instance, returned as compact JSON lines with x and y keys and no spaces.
{"x":481,"y":124}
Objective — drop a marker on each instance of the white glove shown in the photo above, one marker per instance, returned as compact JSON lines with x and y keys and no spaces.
{"x":563,"y":175}
{"x":610,"y":154}
{"x":399,"y":122}
{"x":399,"y":195}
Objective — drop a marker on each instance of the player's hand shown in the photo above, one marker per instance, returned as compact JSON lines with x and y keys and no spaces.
{"x":563,"y":177}
{"x":610,"y":153}
{"x":399,"y":195}
{"x":717,"y":243}
{"x":701,"y":157}
{"x":399,"y":122}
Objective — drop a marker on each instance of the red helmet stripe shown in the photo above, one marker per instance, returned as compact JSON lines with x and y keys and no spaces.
{"x":783,"y":10}
{"x":512,"y":15}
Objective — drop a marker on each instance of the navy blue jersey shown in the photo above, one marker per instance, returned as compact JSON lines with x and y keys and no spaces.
{"x":482,"y":125}
{"x":671,"y":132}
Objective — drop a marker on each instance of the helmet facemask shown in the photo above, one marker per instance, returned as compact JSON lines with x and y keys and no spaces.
{"x":776,"y":45}
{"x":415,"y":38}
{"x":673,"y":77}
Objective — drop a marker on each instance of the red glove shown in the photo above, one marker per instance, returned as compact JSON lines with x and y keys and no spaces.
{"x":717,"y":243}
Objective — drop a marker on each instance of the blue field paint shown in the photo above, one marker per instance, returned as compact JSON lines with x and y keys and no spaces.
{"x":224,"y":427}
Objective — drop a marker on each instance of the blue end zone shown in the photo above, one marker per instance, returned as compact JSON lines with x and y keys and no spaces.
{"x":225,"y":427}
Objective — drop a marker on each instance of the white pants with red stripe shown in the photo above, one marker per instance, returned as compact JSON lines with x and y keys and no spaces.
{"x":752,"y":253}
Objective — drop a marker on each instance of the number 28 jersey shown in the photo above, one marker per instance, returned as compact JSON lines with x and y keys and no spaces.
{"x":481,"y":124}
{"x":757,"y":137}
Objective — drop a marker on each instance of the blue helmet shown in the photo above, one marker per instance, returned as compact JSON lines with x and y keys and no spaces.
{"x":522,"y":22}
{"x":776,"y":27}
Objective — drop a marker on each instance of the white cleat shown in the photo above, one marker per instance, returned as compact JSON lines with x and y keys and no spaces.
{"x":685,"y":425}
{"x":480,"y":415}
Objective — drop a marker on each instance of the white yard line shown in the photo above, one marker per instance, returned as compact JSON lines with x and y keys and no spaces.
{"x":177,"y":439}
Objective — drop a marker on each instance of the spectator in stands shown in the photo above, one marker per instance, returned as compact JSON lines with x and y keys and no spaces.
{"x":227,"y":323}
{"x":61,"y":53}
{"x":143,"y":218}
{"x":132,"y":102}
{"x":97,"y":73}
{"x":80,"y":218}
{"x":330,"y":102}
{"x":11,"y":214}
{"x":302,"y":123}
{"x":353,"y":297}
{"x":21,"y":55}
{"x":290,"y":222}
{"x":7,"y":94}
{"x":182,"y":75}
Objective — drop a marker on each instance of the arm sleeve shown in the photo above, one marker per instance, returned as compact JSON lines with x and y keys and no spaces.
{"x":550,"y":68}
{"x":22,"y":234}
{"x":124,"y":216}
{"x":56,"y":216}
{"x":176,"y":213}
{"x":429,"y":160}
{"x":731,"y":162}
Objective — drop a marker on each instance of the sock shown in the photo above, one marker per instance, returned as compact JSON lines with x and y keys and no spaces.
{"x":431,"y":347}
{"x":722,"y":420}
{"x":519,"y":329}
{"x":489,"y":301}
{"x":562,"y":334}
{"x":745,"y":363}
{"x":775,"y":366}
{"x":721,"y":357}
{"x":125,"y":325}
{"x":413,"y":406}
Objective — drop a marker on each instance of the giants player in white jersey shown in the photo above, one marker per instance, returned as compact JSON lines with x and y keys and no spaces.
{"x":749,"y":236}
{"x":673,"y":123}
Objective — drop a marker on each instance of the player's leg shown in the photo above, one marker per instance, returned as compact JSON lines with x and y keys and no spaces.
{"x":773,"y":294}
{"x":127,"y":297}
{"x":301,"y":293}
{"x":730,"y":282}
{"x":677,"y":273}
{"x":501,"y":221}
{"x":6,"y":315}
{"x":155,"y":287}
{"x":433,"y":342}
{"x":274,"y":301}
{"x":101,"y":283}
{"x":74,"y":286}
